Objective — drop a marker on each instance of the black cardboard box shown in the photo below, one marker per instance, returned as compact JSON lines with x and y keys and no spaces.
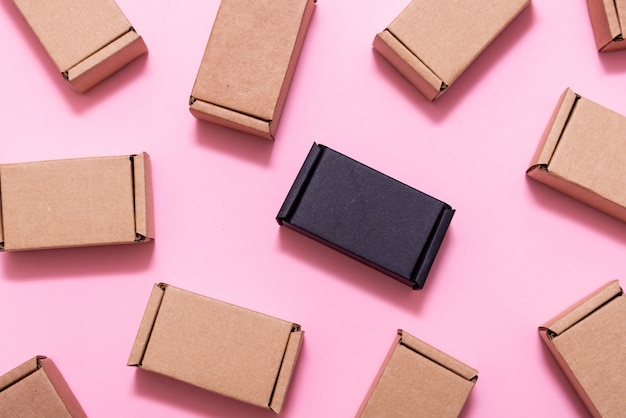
{"x":366,"y":215}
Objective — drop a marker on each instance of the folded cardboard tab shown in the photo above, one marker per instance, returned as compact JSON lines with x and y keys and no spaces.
{"x":582,"y":154}
{"x":37,"y":389}
{"x":76,"y":202}
{"x":608,"y":17}
{"x":366,"y":215}
{"x":417,"y":380}
{"x":219,"y":347}
{"x":88,"y":40}
{"x":249,"y":62}
{"x":588,"y":341}
{"x":432,"y":42}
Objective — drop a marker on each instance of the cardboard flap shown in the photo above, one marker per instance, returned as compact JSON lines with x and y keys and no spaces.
{"x":582,"y":309}
{"x":230,"y":118}
{"x":437,"y":356}
{"x":553,"y":131}
{"x":142,"y":182}
{"x":147,"y":323}
{"x":286,"y":370}
{"x":20,"y":372}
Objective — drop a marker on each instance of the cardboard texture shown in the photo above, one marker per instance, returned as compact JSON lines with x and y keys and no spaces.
{"x":417,"y":380}
{"x":608,"y":17}
{"x":583,"y":154}
{"x":366,"y":215}
{"x":88,"y":40}
{"x":219,"y":347}
{"x":432,"y":42}
{"x":37,"y":389}
{"x":249,"y":62}
{"x":77,"y":202}
{"x":588,"y":341}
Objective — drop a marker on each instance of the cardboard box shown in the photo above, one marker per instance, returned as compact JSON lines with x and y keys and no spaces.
{"x":432,"y":42}
{"x":366,"y":215}
{"x":417,"y":380}
{"x":88,"y":40}
{"x":249,"y":62}
{"x":607,"y":19}
{"x":582,"y":154}
{"x":37,"y":389}
{"x":588,"y":341}
{"x":219,"y":347}
{"x":77,"y":202}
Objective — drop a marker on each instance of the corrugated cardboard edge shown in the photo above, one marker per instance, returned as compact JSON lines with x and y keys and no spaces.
{"x":425,"y":262}
{"x":606,"y":20}
{"x":292,"y":350}
{"x":411,"y":67}
{"x":567,"y":319}
{"x":55,"y":377}
{"x":146,"y":326}
{"x":425,"y":350}
{"x":106,"y":61}
{"x":142,"y":188}
{"x":539,"y":165}
{"x":247,"y":123}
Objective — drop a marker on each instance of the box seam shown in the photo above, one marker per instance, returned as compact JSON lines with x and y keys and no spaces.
{"x":294,"y":328}
{"x":138,"y":236}
{"x":545,"y":166}
{"x":473,"y":379}
{"x":427,"y":257}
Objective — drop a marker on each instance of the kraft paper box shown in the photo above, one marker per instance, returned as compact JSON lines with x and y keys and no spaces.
{"x":37,"y":389}
{"x":88,"y":40}
{"x":432,"y":42}
{"x":217,"y":346}
{"x":583,"y":154}
{"x":588,"y":341}
{"x":366,"y":215}
{"x":417,"y":380}
{"x":249,"y":62}
{"x":76,"y":202}
{"x":607,"y":19}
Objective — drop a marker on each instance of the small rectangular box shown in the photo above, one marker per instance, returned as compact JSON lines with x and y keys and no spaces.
{"x":417,"y":380}
{"x":366,"y":215}
{"x":583,"y":154}
{"x":219,"y":347}
{"x":432,"y":42}
{"x":588,"y":341}
{"x":249,"y":62}
{"x":37,"y":389}
{"x":76,"y":202}
{"x":88,"y":40}
{"x":608,"y":17}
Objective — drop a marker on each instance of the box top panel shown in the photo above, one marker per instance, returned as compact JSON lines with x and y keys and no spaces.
{"x":248,"y":54}
{"x":67,"y":202}
{"x":72,"y":30}
{"x":448,"y":35}
{"x":217,"y":346}
{"x":592,"y":150}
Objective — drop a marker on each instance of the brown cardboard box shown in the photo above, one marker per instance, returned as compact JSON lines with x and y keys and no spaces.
{"x":220,"y":347}
{"x":588,"y":341}
{"x":417,"y":380}
{"x":432,"y":42}
{"x":582,"y":154}
{"x":249,"y":62}
{"x":88,"y":40}
{"x":607,"y":19}
{"x":69,"y":203}
{"x":37,"y":389}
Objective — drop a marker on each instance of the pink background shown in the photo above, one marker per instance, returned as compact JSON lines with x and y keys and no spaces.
{"x":516,"y":254}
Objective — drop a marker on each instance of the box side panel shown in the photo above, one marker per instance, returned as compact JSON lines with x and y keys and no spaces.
{"x":144,"y":209}
{"x":145,"y":328}
{"x":286,"y":370}
{"x":106,"y":61}
{"x":418,"y":74}
{"x":62,"y":389}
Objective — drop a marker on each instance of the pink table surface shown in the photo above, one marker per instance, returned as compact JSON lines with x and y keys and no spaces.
{"x":516,"y":254}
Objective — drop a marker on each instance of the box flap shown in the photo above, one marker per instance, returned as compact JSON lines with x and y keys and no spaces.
{"x":448,"y":35}
{"x":286,"y":370}
{"x":147,"y":323}
{"x":142,"y":187}
{"x":231,"y":118}
{"x":20,"y":372}
{"x":606,"y":16}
